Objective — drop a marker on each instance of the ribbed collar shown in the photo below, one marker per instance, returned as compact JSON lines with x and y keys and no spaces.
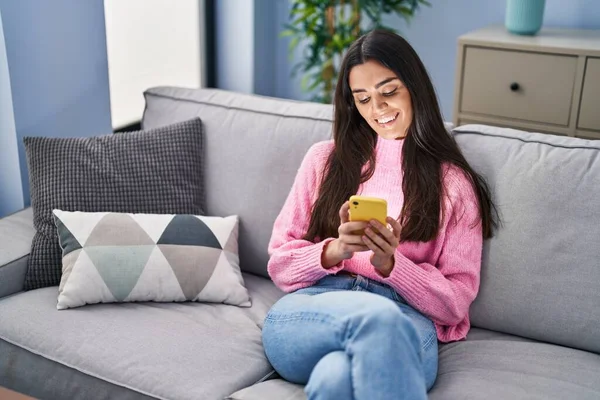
{"x":389,"y":152}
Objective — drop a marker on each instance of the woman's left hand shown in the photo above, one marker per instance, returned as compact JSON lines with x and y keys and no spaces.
{"x":382,"y":241}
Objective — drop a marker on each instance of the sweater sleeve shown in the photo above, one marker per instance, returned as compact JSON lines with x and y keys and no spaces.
{"x":295,"y":262}
{"x":445,"y":291}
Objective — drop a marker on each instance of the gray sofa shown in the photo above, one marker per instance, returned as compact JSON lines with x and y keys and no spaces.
{"x":536,"y":321}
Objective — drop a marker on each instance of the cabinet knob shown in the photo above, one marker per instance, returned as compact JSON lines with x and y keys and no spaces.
{"x":514,"y":86}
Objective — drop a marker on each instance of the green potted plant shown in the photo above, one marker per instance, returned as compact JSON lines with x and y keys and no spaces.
{"x":328,"y":27}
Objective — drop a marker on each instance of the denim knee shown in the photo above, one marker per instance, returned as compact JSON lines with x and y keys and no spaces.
{"x":331,"y":378}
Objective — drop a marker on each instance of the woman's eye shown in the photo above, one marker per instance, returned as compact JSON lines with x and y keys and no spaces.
{"x":363,"y":101}
{"x":390,"y":92}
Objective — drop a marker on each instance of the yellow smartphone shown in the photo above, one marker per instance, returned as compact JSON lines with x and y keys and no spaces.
{"x":363,"y":208}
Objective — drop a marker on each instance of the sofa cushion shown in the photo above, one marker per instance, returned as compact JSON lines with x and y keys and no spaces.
{"x":488,"y":366}
{"x":492,"y":365}
{"x":123,"y":257}
{"x":540,"y":275}
{"x":162,"y":350}
{"x":254,"y":146}
{"x":43,"y":378}
{"x":159,"y":171}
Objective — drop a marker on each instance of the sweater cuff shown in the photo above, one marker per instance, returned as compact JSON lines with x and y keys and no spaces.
{"x":407,"y":278}
{"x":310,"y":267}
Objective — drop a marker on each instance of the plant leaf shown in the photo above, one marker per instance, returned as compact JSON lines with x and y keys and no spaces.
{"x":287,"y":33}
{"x":294,"y":43}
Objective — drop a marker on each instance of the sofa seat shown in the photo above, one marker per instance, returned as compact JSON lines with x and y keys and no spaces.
{"x":488,"y":365}
{"x":133,"y":350}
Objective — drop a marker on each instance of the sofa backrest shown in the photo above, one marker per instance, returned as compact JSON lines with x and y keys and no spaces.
{"x":253,"y":148}
{"x":540,"y":275}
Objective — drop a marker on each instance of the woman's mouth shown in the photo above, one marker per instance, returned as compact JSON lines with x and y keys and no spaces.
{"x":387,"y":120}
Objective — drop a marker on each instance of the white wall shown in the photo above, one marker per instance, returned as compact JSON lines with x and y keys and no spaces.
{"x":151,"y":43}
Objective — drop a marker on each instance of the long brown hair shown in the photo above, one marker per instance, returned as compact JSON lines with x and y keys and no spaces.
{"x":426,"y":148}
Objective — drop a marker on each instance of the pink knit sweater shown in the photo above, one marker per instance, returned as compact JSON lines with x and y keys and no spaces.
{"x":439,"y":278}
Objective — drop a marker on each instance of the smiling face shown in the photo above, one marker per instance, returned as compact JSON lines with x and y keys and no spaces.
{"x":381,"y":99}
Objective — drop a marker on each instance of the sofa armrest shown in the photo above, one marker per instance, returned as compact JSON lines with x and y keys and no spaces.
{"x":16,"y":234}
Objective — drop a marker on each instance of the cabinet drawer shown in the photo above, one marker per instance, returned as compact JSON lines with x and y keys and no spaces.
{"x":511,"y":84}
{"x":589,"y":113}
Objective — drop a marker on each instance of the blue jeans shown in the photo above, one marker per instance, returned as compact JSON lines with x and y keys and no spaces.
{"x":349,"y":337}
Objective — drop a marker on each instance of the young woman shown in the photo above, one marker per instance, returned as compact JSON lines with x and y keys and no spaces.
{"x":364,"y":313}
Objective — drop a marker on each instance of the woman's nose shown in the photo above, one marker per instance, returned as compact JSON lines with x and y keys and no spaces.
{"x":379,"y":104}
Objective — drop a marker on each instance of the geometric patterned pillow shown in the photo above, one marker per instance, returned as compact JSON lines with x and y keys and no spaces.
{"x":120,"y":257}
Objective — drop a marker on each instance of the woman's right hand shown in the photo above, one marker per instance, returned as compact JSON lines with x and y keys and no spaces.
{"x":348,"y":241}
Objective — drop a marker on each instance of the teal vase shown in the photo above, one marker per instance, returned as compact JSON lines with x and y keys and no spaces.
{"x":524,"y":17}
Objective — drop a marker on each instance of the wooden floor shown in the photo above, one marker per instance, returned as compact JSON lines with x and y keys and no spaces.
{"x":6,"y":394}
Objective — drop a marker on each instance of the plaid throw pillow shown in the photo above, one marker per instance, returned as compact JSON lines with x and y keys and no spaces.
{"x":157,"y":171}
